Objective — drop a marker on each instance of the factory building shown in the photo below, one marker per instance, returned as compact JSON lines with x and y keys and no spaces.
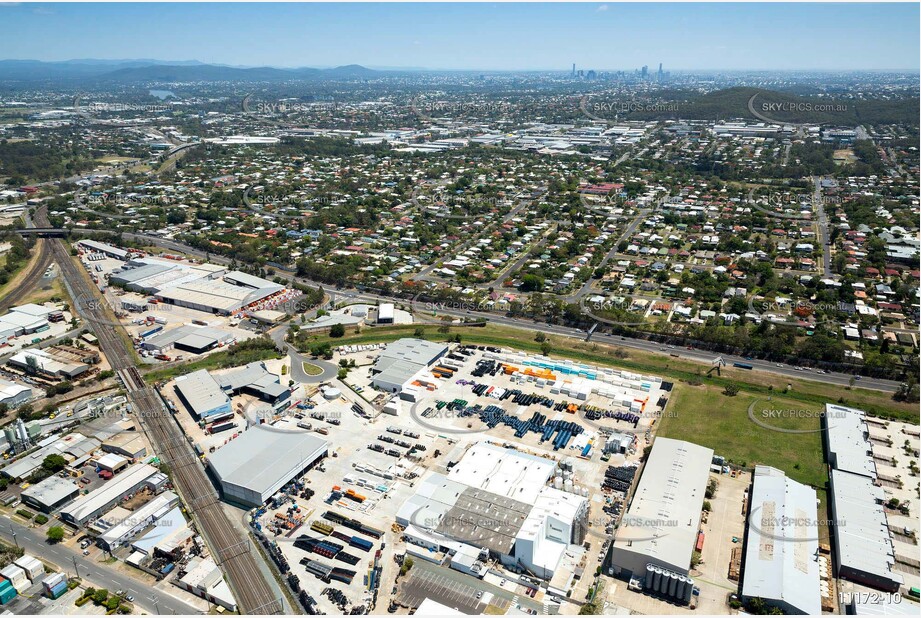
{"x":402,"y":360}
{"x":150,"y":275}
{"x":94,"y":246}
{"x":497,"y":499}
{"x":224,"y":297}
{"x":863,"y":547}
{"x":659,"y":532}
{"x":261,"y":461}
{"x":13,"y":394}
{"x":187,"y":338}
{"x":94,"y":504}
{"x":51,"y":494}
{"x":254,"y":379}
{"x":203,"y":396}
{"x":385,"y":313}
{"x":118,"y":531}
{"x":782,"y":544}
{"x":49,"y":363}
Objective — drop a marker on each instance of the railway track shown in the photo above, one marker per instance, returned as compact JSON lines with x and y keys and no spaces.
{"x":231,"y":549}
{"x":30,"y":282}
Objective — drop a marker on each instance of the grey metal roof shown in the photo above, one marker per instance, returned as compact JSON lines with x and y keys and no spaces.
{"x":485,"y":519}
{"x":783,"y":542}
{"x":201,"y":392}
{"x":849,"y":447}
{"x":263,"y":459}
{"x":861,"y":529}
{"x":52,"y":490}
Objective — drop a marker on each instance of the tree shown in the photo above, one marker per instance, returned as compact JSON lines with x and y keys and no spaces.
{"x":54,"y":463}
{"x":540,"y":337}
{"x":55,"y":534}
{"x":100,"y":596}
{"x":337,"y":330}
{"x":545,"y":348}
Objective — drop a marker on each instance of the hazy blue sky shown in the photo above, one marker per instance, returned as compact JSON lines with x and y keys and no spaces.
{"x":474,"y":36}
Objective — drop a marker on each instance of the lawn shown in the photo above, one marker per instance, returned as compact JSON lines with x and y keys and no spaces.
{"x":703,"y":415}
{"x":311,"y":369}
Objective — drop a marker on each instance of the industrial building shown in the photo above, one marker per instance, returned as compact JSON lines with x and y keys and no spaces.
{"x":24,"y":320}
{"x":863,"y":547}
{"x":105,"y":249}
{"x":782,"y":544}
{"x":94,"y":504}
{"x":385,"y":313}
{"x":497,"y":499}
{"x":14,"y":395}
{"x":49,"y":363}
{"x":254,"y":379}
{"x":150,"y":275}
{"x":659,"y":532}
{"x":203,"y":396}
{"x":116,"y":532}
{"x":402,"y":360}
{"x":187,"y":338}
{"x":50,"y":494}
{"x":252,"y":467}
{"x":204,"y":579}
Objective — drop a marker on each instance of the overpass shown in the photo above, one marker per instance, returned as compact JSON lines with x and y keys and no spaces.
{"x":45,"y":232}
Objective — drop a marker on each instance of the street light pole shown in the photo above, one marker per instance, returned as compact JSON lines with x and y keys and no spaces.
{"x":76,"y":568}
{"x":13,"y":532}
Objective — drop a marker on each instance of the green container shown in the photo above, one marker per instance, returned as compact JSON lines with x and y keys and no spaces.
{"x":7,"y":595}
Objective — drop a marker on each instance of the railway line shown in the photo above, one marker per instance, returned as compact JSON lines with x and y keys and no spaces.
{"x":30,"y":282}
{"x":231,"y":549}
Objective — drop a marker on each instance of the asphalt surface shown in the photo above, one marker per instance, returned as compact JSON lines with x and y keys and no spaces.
{"x":99,"y":575}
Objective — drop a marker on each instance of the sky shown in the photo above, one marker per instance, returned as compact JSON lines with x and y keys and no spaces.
{"x":485,"y":36}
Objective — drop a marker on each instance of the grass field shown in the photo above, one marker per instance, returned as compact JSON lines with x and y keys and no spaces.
{"x":216,"y":360}
{"x":604,"y":353}
{"x":703,"y":415}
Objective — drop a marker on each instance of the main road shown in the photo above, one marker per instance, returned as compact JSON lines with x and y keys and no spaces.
{"x":102,"y":576}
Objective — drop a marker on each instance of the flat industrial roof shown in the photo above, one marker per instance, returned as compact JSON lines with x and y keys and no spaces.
{"x":664,"y":515}
{"x":201,"y":392}
{"x":88,"y":505}
{"x":262,"y":459}
{"x":783,"y":542}
{"x":849,"y":447}
{"x":503,"y":471}
{"x":861,"y":528}
{"x":51,"y":491}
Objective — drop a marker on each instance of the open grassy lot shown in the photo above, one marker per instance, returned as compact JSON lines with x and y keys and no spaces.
{"x":311,"y":369}
{"x":703,"y":415}
{"x":603,"y":353}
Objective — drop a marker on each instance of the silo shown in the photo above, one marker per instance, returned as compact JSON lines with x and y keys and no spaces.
{"x":663,"y":583}
{"x":558,"y":482}
{"x":689,"y":591}
{"x":656,"y":578}
{"x":567,"y":485}
{"x":682,"y":584}
{"x":585,"y":492}
{"x":672,"y":584}
{"x":650,"y":576}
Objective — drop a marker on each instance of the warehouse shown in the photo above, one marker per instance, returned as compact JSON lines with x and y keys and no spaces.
{"x":51,"y":494}
{"x":661,"y":525}
{"x":401,"y":360}
{"x":105,"y":249}
{"x":782,"y":544}
{"x":254,"y":379}
{"x":92,"y":505}
{"x":27,"y":464}
{"x":847,"y":440}
{"x":13,"y":394}
{"x":203,"y":396}
{"x":128,"y":444}
{"x":251,"y":468}
{"x":497,"y":499}
{"x":228,"y":295}
{"x":47,"y":363}
{"x":149,"y":276}
{"x":864,"y":552}
{"x":189,"y":338}
{"x":863,"y":546}
{"x":16,"y":323}
{"x":385,"y":313}
{"x":119,"y":531}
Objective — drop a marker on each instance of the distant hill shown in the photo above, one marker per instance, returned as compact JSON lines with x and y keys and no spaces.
{"x":128,"y":71}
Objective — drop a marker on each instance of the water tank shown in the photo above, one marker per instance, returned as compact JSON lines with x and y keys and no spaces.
{"x":567,"y":485}
{"x":650,"y":576}
{"x":656,"y":578}
{"x":558,"y":482}
{"x":585,"y":492}
{"x":672,"y":584}
{"x":689,"y":591}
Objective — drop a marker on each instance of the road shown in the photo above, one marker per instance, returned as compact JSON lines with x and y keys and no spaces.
{"x":823,"y":237}
{"x":101,"y":576}
{"x":231,"y":550}
{"x":842,"y":379}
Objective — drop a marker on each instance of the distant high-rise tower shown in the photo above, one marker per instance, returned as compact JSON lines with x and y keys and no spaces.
{"x":645,"y":71}
{"x":660,"y":74}
{"x":573,"y":69}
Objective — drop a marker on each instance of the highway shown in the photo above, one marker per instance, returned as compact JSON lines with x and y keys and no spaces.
{"x":99,"y":575}
{"x":230,"y":549}
{"x":842,"y":379}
